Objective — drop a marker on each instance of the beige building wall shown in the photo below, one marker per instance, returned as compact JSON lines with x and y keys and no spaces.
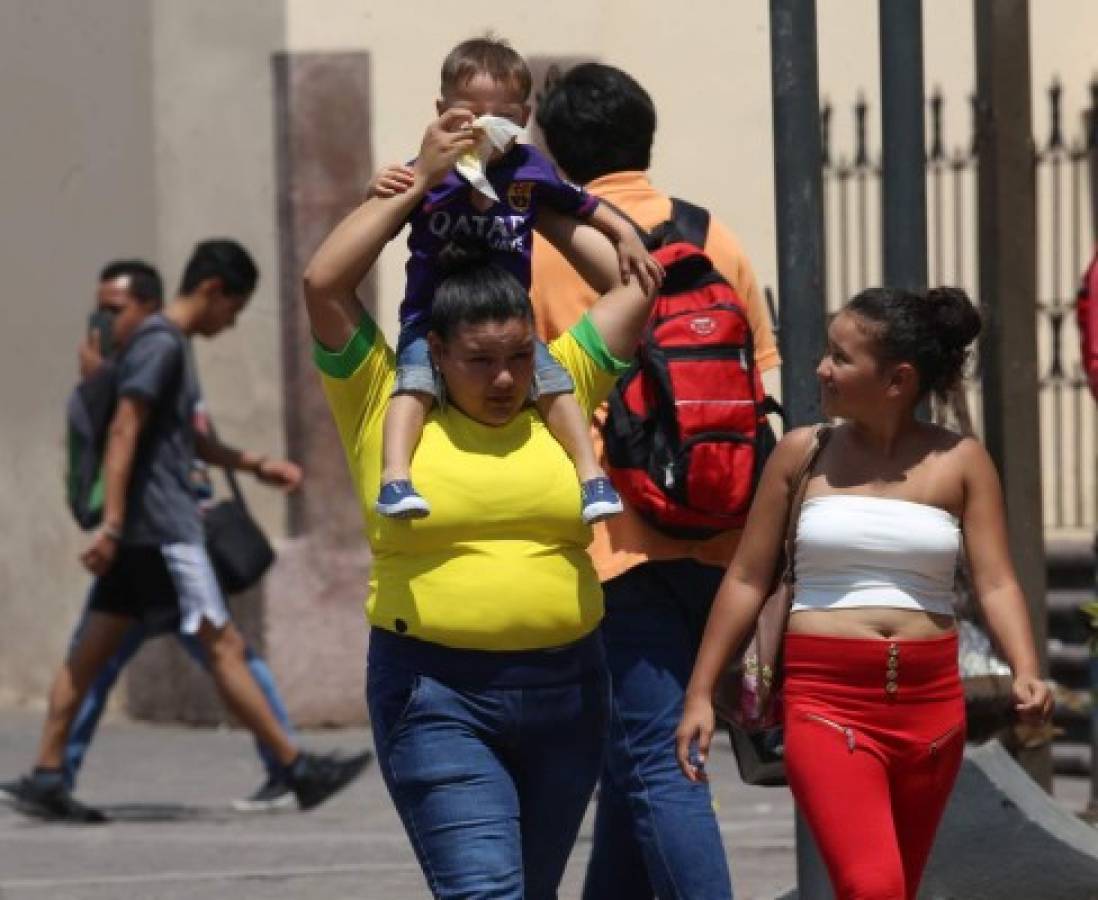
{"x":78,"y":188}
{"x":135,"y":127}
{"x":215,"y":177}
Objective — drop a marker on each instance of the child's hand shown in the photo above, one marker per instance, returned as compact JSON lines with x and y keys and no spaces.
{"x":444,"y":141}
{"x":390,"y":181}
{"x":635,"y":259}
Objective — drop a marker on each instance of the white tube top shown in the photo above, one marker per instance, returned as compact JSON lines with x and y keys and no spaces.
{"x":853,"y":550}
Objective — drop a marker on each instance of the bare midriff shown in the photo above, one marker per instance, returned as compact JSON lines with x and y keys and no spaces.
{"x":872,"y":622}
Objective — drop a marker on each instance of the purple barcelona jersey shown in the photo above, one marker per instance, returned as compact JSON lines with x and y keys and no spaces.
{"x":524,"y":180}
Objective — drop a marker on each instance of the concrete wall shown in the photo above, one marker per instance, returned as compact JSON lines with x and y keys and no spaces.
{"x":78,"y":187}
{"x":135,"y":127}
{"x":132,"y":128}
{"x":215,"y":176}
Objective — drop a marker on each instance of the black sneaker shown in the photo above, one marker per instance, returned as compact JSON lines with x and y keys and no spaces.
{"x":273,"y":794}
{"x":51,"y":800}
{"x":314,"y":778}
{"x":10,"y":790}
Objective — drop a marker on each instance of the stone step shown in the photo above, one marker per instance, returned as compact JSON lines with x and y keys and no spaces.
{"x":1071,"y":758}
{"x":1070,"y":562}
{"x":1069,"y":664}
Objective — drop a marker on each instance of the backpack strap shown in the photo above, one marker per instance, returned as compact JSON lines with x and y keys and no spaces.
{"x":692,"y":222}
{"x":645,"y":236}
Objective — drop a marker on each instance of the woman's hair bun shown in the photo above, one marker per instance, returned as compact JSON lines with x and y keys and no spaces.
{"x":931,"y":329}
{"x":953,"y":316}
{"x":457,"y":257}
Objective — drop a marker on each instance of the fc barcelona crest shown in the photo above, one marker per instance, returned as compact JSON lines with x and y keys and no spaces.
{"x":519,"y":194}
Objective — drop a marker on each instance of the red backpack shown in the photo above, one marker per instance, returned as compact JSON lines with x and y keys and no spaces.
{"x":687,"y":436}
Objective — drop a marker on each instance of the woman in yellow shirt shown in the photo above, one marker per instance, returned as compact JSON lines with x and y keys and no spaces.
{"x":486,"y":682}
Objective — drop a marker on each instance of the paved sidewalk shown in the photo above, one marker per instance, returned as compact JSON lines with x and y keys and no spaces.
{"x":175,"y":835}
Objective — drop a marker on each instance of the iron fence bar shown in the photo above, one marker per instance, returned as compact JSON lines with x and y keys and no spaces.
{"x":936,"y":231}
{"x":959,"y":165}
{"x":1092,"y":154}
{"x":1076,"y":158}
{"x":936,"y":163}
{"x":861,"y":170}
{"x":825,"y":200}
{"x":1077,"y":393}
{"x":1076,"y":155}
{"x":844,"y":234}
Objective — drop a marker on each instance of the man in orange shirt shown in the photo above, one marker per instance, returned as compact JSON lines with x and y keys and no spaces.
{"x":656,"y":834}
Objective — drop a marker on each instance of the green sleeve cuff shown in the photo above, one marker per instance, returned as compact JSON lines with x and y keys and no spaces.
{"x":589,"y":338}
{"x":342,"y":363}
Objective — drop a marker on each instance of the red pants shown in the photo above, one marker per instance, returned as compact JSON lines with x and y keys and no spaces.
{"x":874,"y":735}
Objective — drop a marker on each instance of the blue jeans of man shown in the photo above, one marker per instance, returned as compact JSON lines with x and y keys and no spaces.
{"x":490,"y":782}
{"x":91,"y":709}
{"x":656,"y":833}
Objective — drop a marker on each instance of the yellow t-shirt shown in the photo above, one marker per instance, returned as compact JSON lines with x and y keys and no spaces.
{"x":501,"y":563}
{"x":560,"y":297}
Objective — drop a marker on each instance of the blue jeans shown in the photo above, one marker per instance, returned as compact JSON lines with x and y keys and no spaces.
{"x":490,"y":782}
{"x":656,"y":834}
{"x":91,"y":709}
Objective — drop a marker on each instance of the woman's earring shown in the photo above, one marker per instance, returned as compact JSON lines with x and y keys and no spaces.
{"x":440,"y":386}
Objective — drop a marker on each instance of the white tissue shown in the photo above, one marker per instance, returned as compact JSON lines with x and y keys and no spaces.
{"x":497,"y":133}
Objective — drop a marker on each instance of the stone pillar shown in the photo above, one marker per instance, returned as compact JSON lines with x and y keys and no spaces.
{"x":315,"y":627}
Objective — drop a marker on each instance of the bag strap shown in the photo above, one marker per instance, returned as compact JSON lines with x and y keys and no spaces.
{"x":820,"y":435}
{"x":642,"y":233}
{"x":189,"y":367}
{"x":691,"y":221}
{"x":230,"y":475}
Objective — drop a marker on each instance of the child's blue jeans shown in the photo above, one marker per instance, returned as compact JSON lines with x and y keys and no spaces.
{"x":416,"y":373}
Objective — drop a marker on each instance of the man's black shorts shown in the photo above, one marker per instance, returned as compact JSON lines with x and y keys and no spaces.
{"x":165,"y":587}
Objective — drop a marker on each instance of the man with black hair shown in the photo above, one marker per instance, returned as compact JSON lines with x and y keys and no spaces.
{"x":656,"y":833}
{"x":148,"y":556}
{"x":117,"y":280}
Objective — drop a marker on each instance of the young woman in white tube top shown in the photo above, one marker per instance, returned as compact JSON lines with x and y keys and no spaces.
{"x":874,"y":711}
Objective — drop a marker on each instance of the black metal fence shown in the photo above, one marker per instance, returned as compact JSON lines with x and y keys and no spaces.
{"x":1067,"y":231}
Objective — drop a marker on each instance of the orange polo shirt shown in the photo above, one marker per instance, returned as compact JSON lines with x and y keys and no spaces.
{"x":560,"y":298}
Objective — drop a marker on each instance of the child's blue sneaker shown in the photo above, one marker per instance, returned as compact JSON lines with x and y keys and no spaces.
{"x":600,"y":500}
{"x":399,"y":500}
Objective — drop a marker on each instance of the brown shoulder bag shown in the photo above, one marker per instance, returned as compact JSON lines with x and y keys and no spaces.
{"x":747,"y":698}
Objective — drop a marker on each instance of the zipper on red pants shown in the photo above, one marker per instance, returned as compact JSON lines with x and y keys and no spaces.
{"x":845,"y":731}
{"x":936,"y":744}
